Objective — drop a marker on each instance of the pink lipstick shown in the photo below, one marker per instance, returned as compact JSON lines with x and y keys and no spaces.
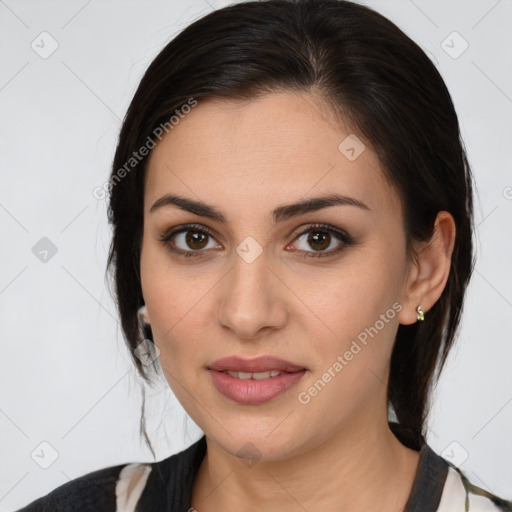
{"x":254,"y":381}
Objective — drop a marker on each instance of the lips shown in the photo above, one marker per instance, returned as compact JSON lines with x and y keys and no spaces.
{"x":254,"y":381}
{"x":257,"y":365}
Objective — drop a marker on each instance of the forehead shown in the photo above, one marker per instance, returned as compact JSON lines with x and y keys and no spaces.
{"x":256,"y":153}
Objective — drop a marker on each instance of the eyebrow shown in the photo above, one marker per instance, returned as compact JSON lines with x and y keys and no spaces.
{"x":279,"y":214}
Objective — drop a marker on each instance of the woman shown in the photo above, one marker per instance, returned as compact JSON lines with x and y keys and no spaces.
{"x":292,"y":214}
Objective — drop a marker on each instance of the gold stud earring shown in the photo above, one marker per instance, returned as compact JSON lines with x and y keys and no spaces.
{"x":421,"y":315}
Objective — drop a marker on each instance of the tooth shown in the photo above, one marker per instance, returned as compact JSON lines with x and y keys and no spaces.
{"x":255,"y":376}
{"x":261,"y":375}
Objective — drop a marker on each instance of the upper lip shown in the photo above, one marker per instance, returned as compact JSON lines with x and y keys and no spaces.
{"x":259,"y":364}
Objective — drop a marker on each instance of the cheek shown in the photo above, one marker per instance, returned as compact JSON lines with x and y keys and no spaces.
{"x":168,"y":294}
{"x":351,"y":359}
{"x":351,"y":297}
{"x":356,"y":308}
{"x":175,"y":299}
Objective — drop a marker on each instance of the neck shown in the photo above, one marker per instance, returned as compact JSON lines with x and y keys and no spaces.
{"x":360,"y":467}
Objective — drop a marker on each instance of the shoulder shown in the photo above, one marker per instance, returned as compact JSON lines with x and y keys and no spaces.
{"x":460,"y":494}
{"x":120,"y":488}
{"x":113,"y":488}
{"x":440,"y":486}
{"x":93,"y":491}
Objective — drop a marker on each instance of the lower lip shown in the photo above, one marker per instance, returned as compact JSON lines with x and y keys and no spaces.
{"x":251,"y":391}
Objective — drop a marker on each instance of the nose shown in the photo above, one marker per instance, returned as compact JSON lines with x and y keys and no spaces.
{"x":252,"y":299}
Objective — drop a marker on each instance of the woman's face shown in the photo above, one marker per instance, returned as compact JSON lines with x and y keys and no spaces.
{"x":254,"y":279}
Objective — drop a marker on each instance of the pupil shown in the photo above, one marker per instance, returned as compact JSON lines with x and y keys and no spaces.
{"x":192,"y":239}
{"x":320,"y":239}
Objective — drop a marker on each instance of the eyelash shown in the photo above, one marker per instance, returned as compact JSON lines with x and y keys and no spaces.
{"x":342,"y":236}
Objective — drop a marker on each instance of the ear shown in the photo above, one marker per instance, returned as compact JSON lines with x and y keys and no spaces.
{"x":427,"y":275}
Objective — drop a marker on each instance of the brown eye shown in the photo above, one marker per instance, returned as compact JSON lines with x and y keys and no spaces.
{"x":189,"y":240}
{"x":322,"y":240}
{"x":196,"y":240}
{"x":319,"y":240}
{"x":315,"y":240}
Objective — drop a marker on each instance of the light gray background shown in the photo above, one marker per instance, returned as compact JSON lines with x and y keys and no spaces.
{"x":65,"y":376}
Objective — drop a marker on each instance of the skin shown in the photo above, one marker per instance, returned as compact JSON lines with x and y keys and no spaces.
{"x":247,"y":158}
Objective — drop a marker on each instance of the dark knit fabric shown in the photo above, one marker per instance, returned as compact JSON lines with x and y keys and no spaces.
{"x":93,"y":491}
{"x":169,"y":486}
{"x":429,"y":482}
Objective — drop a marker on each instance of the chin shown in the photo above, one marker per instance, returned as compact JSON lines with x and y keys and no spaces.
{"x":264,"y":439}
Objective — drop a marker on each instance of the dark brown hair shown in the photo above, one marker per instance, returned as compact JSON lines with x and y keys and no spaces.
{"x":379,"y":82}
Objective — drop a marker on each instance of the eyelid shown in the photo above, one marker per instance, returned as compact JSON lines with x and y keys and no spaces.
{"x":185,"y":227}
{"x":320,"y":226}
{"x":344,"y":238}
